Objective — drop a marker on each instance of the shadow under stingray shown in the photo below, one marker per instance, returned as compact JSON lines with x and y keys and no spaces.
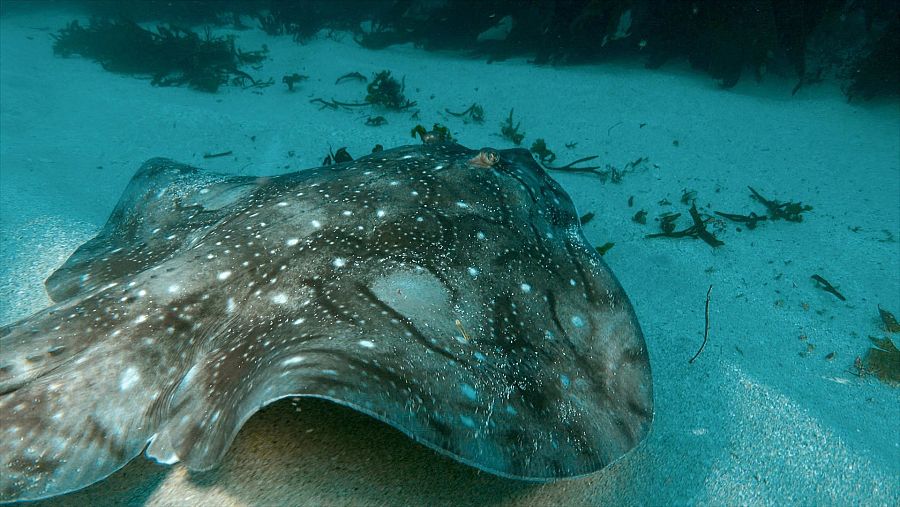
{"x":307,"y":451}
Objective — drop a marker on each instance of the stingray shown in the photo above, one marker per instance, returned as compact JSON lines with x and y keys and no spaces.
{"x":447,"y":292}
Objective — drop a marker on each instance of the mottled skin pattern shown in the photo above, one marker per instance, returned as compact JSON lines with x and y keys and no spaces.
{"x":457,"y":301}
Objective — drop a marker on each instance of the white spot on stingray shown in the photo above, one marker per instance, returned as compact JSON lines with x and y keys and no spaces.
{"x":526,"y":287}
{"x":298,"y":321}
{"x":140,"y":319}
{"x":283,"y":204}
{"x":367,"y":344}
{"x":511,"y":410}
{"x":142,"y":293}
{"x":461,"y":204}
{"x":129,"y":378}
{"x":577,"y":321}
{"x":479,"y":356}
{"x":316,"y":224}
{"x":572,"y":282}
{"x":469,"y":391}
{"x":564,"y":380}
{"x":174,"y":288}
{"x":346,"y":213}
{"x":293,"y":360}
{"x":339,"y":263}
{"x":224,"y":275}
{"x":473,"y":271}
{"x":230,"y":306}
{"x":280,"y":298}
{"x":292,"y":241}
{"x":468,"y":421}
{"x":480,"y":235}
{"x":380,"y":213}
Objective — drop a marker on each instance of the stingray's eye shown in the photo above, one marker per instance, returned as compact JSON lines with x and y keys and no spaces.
{"x":487,"y":157}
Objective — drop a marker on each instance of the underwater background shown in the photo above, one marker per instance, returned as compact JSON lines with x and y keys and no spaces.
{"x":778,"y":122}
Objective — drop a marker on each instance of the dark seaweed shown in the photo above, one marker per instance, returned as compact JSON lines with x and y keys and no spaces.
{"x":386,"y":91}
{"x":172,"y":56}
{"x":474,"y":113}
{"x":352,"y":76}
{"x":508,"y":131}
{"x":790,"y":211}
{"x":697,"y":230}
{"x":750,"y":220}
{"x":544,"y":154}
{"x":293,"y":79}
{"x":827,"y":287}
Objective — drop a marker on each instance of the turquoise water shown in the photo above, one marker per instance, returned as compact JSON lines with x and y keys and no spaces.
{"x":775,"y":409}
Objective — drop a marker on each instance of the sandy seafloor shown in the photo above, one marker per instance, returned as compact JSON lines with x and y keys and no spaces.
{"x":758,"y":419}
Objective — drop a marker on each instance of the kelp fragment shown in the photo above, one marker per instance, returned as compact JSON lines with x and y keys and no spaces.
{"x":474,"y":113}
{"x":544,"y":154}
{"x":890,"y":322}
{"x":790,"y":211}
{"x":437,"y":134}
{"x":352,"y":76}
{"x":827,"y":287}
{"x":883,"y":361}
{"x":605,"y":247}
{"x":293,"y":79}
{"x":508,"y":131}
{"x":697,"y":230}
{"x":750,"y":220}
{"x":386,"y":91}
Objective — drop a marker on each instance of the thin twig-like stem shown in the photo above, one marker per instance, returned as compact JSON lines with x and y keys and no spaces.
{"x":706,"y":327}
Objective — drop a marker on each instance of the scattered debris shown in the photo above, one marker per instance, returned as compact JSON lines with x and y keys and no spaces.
{"x":438,"y":134}
{"x":640,"y":217}
{"x":605,"y":247}
{"x":376,"y":121}
{"x":544,"y":154}
{"x":333,"y":104}
{"x":571,"y":145}
{"x":697,"y":231}
{"x":293,"y":79}
{"x":705,"y":327}
{"x":750,"y":220}
{"x":587,"y":217}
{"x":512,"y":133}
{"x":688,"y":196}
{"x":474,"y":113}
{"x":338,"y":157}
{"x":377,"y":148}
{"x":573,"y":168}
{"x":890,"y":322}
{"x":790,"y":211}
{"x":217,"y":155}
{"x":352,"y":76}
{"x":827,"y":287}
{"x":883,"y":361}
{"x":388,"y":92}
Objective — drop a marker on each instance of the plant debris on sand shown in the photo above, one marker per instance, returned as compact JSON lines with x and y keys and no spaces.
{"x":171,"y":56}
{"x":388,"y":92}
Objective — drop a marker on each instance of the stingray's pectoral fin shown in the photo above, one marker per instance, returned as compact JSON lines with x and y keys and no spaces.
{"x":164,"y":202}
{"x":205,"y":413}
{"x":68,"y":426}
